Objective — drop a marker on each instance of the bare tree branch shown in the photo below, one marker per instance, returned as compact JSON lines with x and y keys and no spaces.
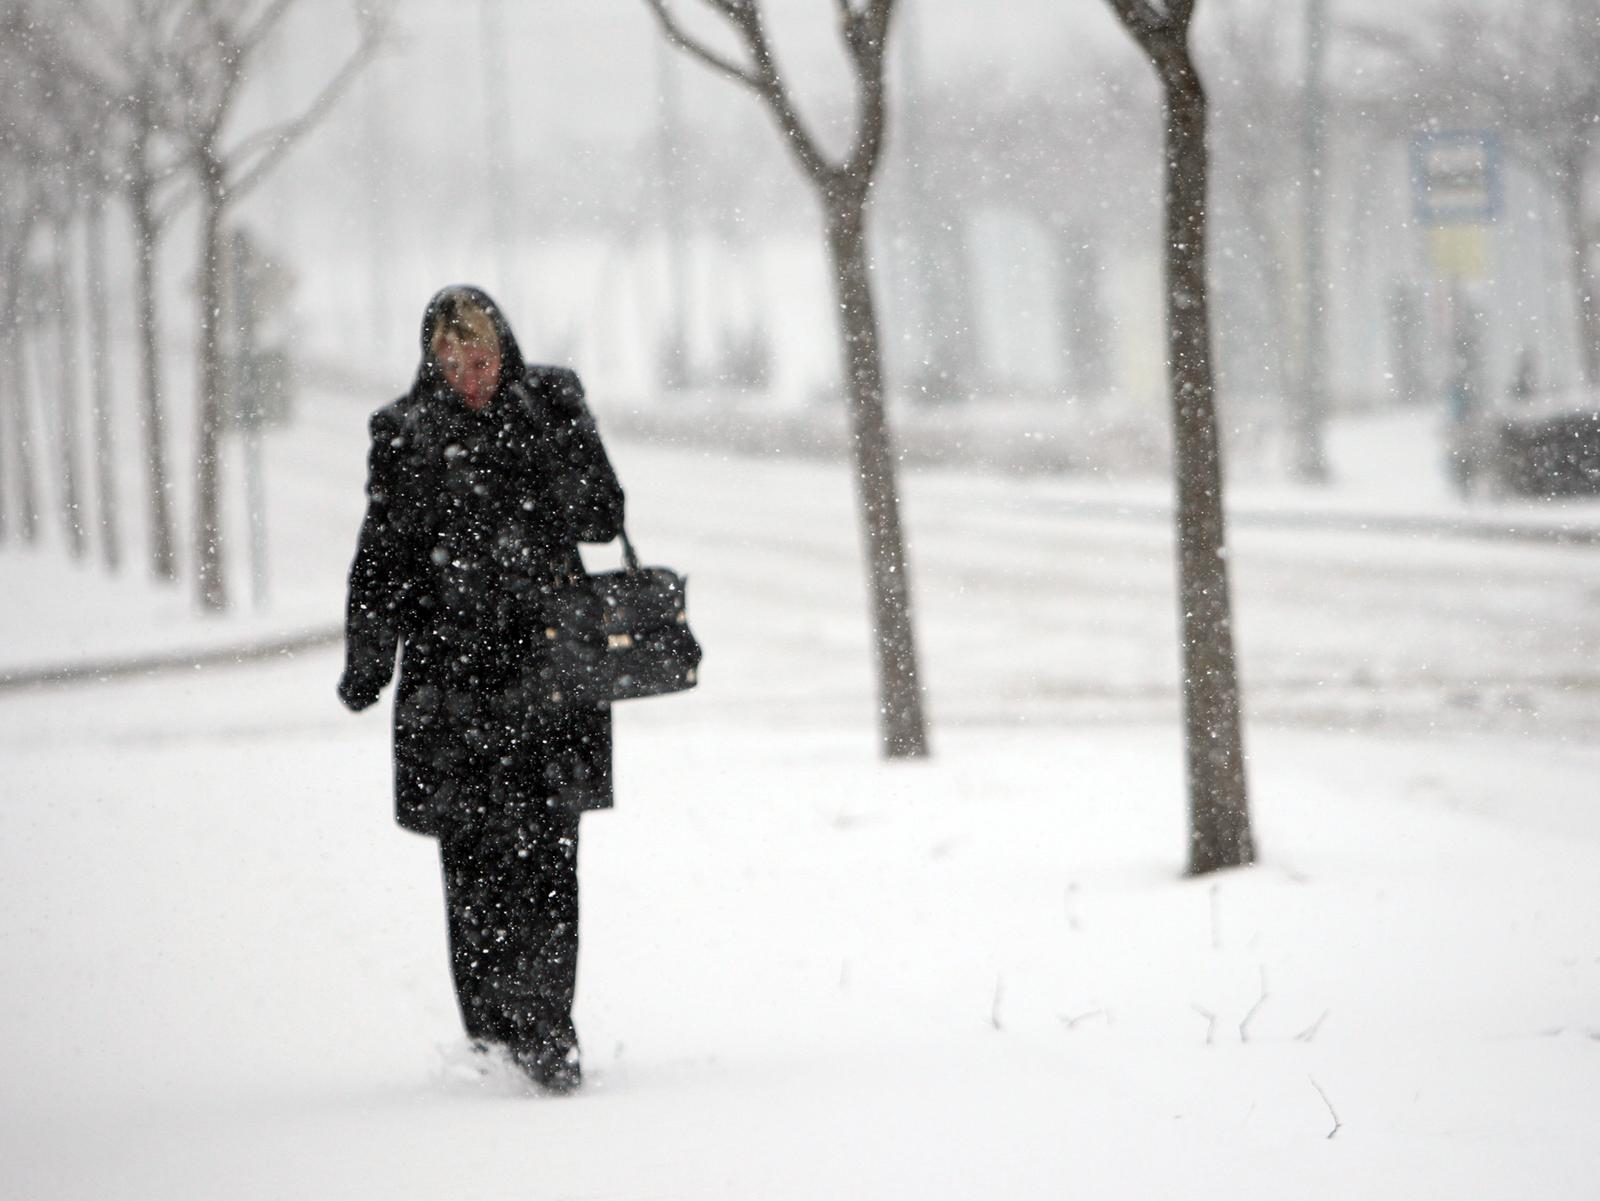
{"x":1148,"y":23}
{"x":877,"y":18}
{"x":281,"y":139}
{"x":209,"y":97}
{"x":684,"y":41}
{"x":1142,"y":20}
{"x":776,"y":93}
{"x":170,"y":205}
{"x":761,"y":75}
{"x":868,"y":40}
{"x":269,"y":17}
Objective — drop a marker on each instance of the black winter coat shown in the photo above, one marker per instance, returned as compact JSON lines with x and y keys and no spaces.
{"x":473,"y":519}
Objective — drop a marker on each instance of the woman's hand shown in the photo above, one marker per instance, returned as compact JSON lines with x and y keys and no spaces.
{"x":357,"y":694}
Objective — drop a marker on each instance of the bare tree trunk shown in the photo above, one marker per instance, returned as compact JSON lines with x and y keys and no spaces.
{"x":27,"y":478}
{"x":8,"y":398}
{"x":5,"y":405}
{"x":901,"y":722}
{"x":13,"y":347}
{"x":10,"y":394}
{"x":232,"y":40}
{"x":100,"y":385}
{"x":1309,"y":412}
{"x":22,"y":428}
{"x":208,"y":551}
{"x":1219,"y":814}
{"x":843,"y":189}
{"x":1586,"y":288}
{"x":163,"y":551}
{"x":67,"y":387}
{"x":13,"y":419}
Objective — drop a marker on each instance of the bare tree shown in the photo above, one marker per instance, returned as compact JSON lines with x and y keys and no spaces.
{"x":93,"y":181}
{"x":20,"y":435}
{"x":144,"y":178}
{"x":92,"y":178}
{"x":97,"y":302}
{"x":219,"y":42}
{"x":843,"y":188}
{"x":1219,"y":826}
{"x":15,"y":427}
{"x":19,"y":209}
{"x":66,"y":398}
{"x":18,"y":218}
{"x":119,"y":53}
{"x":62,"y":141}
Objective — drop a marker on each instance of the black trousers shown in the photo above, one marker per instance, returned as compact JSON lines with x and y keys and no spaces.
{"x":511,"y":892}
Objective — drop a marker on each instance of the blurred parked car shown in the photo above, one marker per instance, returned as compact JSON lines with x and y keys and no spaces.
{"x":1547,"y":445}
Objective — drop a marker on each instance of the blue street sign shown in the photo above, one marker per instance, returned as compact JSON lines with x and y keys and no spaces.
{"x":1455,"y":177}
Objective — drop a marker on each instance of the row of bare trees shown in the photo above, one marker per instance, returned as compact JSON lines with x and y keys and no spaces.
{"x":1220,"y":829}
{"x":1534,"y":76}
{"x":133,"y":102}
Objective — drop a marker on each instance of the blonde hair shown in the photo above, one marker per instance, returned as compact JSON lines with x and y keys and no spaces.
{"x":464,"y":321}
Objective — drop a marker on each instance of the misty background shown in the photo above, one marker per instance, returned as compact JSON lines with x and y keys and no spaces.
{"x":1010,"y":968}
{"x":640,"y":219}
{"x":601,"y":183}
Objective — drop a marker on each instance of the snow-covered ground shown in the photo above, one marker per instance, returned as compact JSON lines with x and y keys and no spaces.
{"x":809,"y":974}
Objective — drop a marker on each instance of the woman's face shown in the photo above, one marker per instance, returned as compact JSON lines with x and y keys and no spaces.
{"x":471,"y":368}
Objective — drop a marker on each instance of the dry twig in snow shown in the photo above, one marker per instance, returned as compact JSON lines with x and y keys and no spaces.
{"x":1337,"y":1124}
{"x":1244,"y":1025}
{"x":1211,"y":1022}
{"x":1310,"y":1032}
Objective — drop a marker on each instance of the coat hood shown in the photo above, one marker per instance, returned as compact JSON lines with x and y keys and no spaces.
{"x":512,"y":367}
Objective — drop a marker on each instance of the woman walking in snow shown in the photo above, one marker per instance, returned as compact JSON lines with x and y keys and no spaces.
{"x":482,"y":480}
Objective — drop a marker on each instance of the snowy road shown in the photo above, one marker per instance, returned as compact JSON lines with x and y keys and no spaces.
{"x":807,"y":974}
{"x":1038,"y":598}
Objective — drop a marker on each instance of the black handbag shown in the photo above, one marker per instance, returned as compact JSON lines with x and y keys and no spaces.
{"x":621,"y":635}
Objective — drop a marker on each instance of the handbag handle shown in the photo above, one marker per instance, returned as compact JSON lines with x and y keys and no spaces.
{"x":630,"y":560}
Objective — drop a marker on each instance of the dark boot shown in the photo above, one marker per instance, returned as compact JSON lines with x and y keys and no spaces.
{"x":553,"y":1065}
{"x":512,"y":894}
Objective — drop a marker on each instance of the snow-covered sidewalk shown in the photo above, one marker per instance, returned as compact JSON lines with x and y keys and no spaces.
{"x":806,"y":973}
